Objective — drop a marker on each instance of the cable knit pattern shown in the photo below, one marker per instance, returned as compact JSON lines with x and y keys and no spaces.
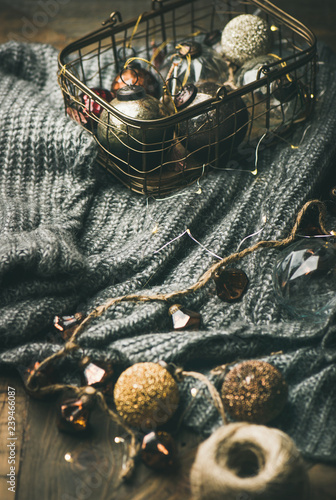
{"x":72,"y":236}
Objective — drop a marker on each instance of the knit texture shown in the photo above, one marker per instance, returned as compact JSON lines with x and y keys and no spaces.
{"x":72,"y":236}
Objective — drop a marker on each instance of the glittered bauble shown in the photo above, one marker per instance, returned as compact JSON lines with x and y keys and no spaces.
{"x":184,"y":319}
{"x":131,"y":143}
{"x":254,"y":391}
{"x":136,"y":75}
{"x":305,"y":278}
{"x":146,"y":395}
{"x":227,"y":127}
{"x":244,"y":37}
{"x":158,"y":451}
{"x":192,"y":62}
{"x":93,"y":106}
{"x":231,"y":284}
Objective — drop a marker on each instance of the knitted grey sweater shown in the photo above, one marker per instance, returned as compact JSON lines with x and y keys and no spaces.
{"x":72,"y":237}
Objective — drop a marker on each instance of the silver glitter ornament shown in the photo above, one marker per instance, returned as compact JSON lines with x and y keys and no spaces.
{"x":245,"y":37}
{"x":129,"y":142}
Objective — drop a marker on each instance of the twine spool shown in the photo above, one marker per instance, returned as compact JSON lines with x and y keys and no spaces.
{"x":249,"y":462}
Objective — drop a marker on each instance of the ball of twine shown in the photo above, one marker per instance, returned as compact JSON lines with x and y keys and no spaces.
{"x":249,"y":462}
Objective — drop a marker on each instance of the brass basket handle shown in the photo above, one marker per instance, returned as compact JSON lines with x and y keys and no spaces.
{"x":113,"y":19}
{"x":159,"y":3}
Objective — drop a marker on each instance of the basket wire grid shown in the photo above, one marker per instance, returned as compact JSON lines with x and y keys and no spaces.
{"x":159,"y":167}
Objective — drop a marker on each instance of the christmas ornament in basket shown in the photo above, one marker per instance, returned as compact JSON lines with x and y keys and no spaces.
{"x":187,"y":87}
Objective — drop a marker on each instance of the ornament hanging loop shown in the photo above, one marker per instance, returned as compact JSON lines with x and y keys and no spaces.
{"x":133,"y":70}
{"x":126,"y":53}
{"x":176,"y":87}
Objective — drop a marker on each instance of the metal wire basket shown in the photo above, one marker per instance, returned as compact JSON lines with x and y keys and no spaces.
{"x":161,"y":166}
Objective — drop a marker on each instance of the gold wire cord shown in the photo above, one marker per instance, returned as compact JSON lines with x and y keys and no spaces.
{"x":188,"y":57}
{"x":129,"y":44}
{"x":158,"y":50}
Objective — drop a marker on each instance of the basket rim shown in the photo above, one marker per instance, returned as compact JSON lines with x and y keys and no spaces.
{"x":305,"y":56}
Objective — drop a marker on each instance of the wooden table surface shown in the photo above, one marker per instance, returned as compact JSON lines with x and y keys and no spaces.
{"x":55,"y":466}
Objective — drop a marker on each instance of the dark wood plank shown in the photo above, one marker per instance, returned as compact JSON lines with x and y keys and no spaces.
{"x":70,"y":19}
{"x":56,"y":466}
{"x":59,"y":466}
{"x":21,"y":415}
{"x":323,"y":482}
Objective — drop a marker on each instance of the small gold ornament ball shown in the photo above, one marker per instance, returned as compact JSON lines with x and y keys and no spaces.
{"x":146,"y":395}
{"x":254,"y":391}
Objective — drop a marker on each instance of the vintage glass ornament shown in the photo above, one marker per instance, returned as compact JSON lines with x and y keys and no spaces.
{"x":136,"y":75}
{"x":131,"y":143}
{"x":213,"y":39}
{"x":66,"y":325}
{"x":287,"y":96}
{"x":74,"y":412}
{"x":288,"y":52}
{"x":191,"y":62}
{"x":245,"y":37}
{"x":146,"y":395}
{"x":304,"y":278}
{"x":231,"y":284}
{"x":254,"y":69}
{"x":282,"y":89}
{"x":184,"y":319}
{"x":157,"y":53}
{"x":158,"y":451}
{"x":254,"y":391}
{"x":179,"y":160}
{"x":203,"y":131}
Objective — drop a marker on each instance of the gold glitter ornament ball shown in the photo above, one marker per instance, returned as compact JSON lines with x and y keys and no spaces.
{"x":146,"y":395}
{"x":254,"y":391}
{"x":245,"y":37}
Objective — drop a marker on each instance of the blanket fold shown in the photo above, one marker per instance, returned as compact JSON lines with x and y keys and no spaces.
{"x":72,"y":236}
